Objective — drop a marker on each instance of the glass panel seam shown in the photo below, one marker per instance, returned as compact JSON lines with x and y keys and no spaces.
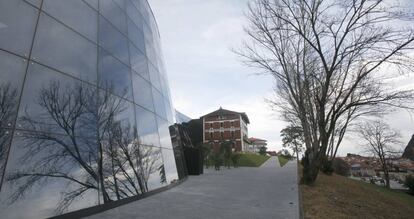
{"x":21,"y":93}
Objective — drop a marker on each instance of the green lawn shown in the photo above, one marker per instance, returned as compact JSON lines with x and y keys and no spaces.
{"x":252,"y":160}
{"x":282,"y":160}
{"x":389,"y":192}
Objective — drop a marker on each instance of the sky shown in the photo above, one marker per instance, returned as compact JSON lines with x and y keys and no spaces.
{"x":198,"y":38}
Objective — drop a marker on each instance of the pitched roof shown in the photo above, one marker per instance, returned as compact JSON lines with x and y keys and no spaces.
{"x":222,"y":111}
{"x":409,"y":150}
{"x":256,"y":139}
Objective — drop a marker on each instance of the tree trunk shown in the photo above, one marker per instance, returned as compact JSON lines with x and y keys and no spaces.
{"x":311,"y":167}
{"x":387,"y":178}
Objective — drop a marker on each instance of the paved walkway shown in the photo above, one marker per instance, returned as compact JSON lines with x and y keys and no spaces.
{"x":270,"y":191}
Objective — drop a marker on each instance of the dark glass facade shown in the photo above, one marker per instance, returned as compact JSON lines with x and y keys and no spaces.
{"x":85,"y":105}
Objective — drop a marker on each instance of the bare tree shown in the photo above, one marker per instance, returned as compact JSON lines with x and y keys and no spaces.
{"x":8,"y":107}
{"x":326,"y":57}
{"x":380,"y":139}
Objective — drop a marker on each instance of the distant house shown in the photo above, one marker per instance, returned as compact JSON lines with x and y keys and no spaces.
{"x":361,"y":166}
{"x":255,"y":144}
{"x":226,"y":125}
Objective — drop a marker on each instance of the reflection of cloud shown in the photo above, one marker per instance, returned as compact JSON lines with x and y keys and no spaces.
{"x":3,"y":25}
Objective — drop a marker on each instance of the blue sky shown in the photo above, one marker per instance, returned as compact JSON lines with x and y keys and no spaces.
{"x":197,"y":38}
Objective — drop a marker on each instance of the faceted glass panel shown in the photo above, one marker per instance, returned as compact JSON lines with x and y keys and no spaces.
{"x":61,"y":48}
{"x":139,"y":62}
{"x":92,"y":3}
{"x":114,"y":75}
{"x":114,"y":14}
{"x":16,"y":31}
{"x":121,"y":3}
{"x":136,"y":36}
{"x":12,"y":71}
{"x":159,"y":104}
{"x":170,"y":112}
{"x":153,"y":168}
{"x":113,"y":41}
{"x":46,"y":176}
{"x":142,"y":92}
{"x":5,"y":138}
{"x":56,"y":103}
{"x":134,"y":14}
{"x":147,"y":127}
{"x":155,"y":79}
{"x":76,"y":14}
{"x":169,"y":165}
{"x":164,"y":132}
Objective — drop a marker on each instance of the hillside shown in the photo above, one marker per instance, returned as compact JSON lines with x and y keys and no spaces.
{"x":339,"y":197}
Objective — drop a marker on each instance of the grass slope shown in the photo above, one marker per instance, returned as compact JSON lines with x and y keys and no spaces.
{"x":282,"y":160}
{"x":252,"y":160}
{"x":339,"y":197}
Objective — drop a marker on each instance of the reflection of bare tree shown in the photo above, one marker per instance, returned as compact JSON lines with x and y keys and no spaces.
{"x":81,"y":139}
{"x":129,"y":164}
{"x":8,"y":104}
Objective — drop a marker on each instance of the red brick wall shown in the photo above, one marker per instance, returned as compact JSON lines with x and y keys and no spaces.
{"x":227,"y":135}
{"x":237,"y":134}
{"x":216,"y":125}
{"x":238,"y":146}
{"x":237,"y":124}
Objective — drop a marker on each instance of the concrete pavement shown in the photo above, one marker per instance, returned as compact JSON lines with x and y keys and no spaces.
{"x":269,"y":191}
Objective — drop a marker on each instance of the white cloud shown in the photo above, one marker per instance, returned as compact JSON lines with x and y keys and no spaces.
{"x":204,"y":74}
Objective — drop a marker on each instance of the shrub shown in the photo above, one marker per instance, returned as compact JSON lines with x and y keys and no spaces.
{"x":217,"y":160}
{"x":340,"y":167}
{"x":326,"y":166}
{"x":409,"y":182}
{"x":235,"y":158}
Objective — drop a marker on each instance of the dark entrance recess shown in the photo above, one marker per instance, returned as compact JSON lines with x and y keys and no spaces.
{"x":187,"y":156}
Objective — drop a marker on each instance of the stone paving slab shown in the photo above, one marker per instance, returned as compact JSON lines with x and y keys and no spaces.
{"x":269,"y":191}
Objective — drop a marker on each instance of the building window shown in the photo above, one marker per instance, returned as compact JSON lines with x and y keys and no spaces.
{"x":222,"y":135}
{"x":232,"y":134}
{"x":221,"y":124}
{"x":232,"y":124}
{"x":211,"y":135}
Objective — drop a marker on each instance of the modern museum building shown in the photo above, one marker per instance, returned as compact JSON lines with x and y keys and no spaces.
{"x":85,"y":106}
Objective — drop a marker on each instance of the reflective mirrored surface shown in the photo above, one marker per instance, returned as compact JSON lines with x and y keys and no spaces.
{"x":147,"y":127}
{"x":142,"y":91}
{"x":159,"y":103}
{"x":46,"y":176}
{"x":76,"y":14}
{"x":16,"y":32}
{"x":114,"y":75}
{"x":61,"y":48}
{"x":113,"y":41}
{"x":114,"y":14}
{"x":84,"y":120}
{"x":169,"y":165}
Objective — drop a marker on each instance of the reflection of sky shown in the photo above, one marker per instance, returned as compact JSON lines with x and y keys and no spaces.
{"x":74,"y":54}
{"x":41,"y":200}
{"x":169,"y":165}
